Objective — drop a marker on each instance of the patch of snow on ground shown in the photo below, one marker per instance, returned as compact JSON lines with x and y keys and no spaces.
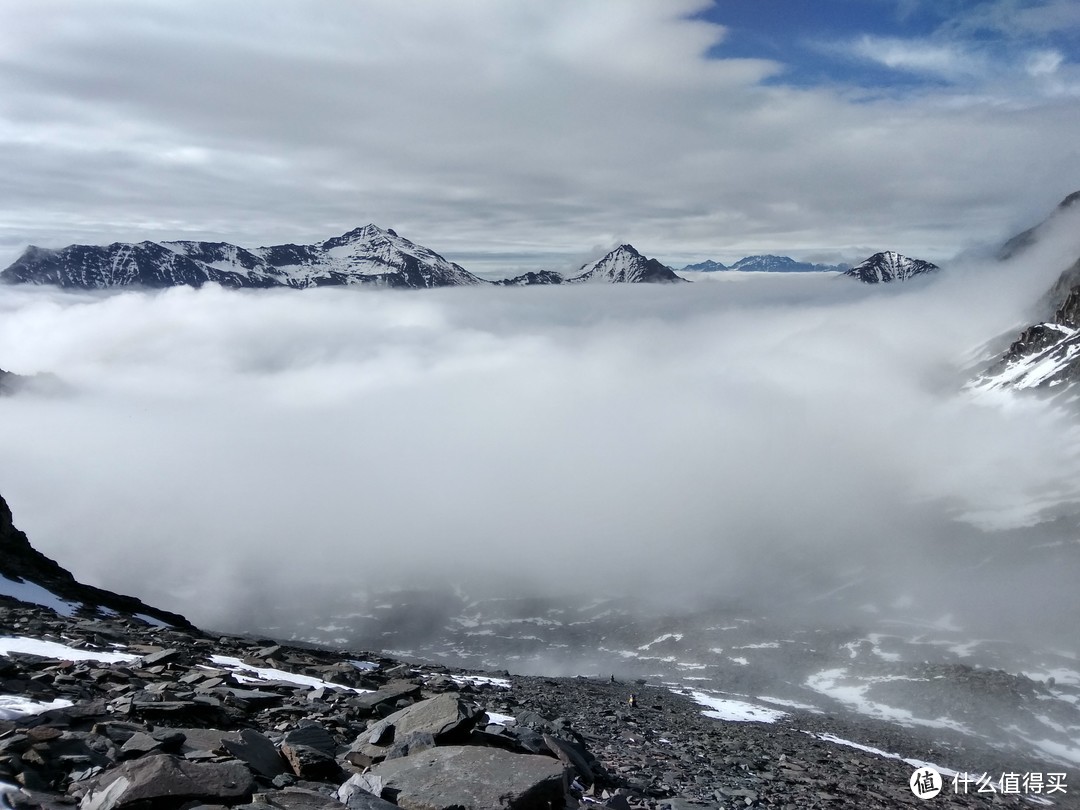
{"x":12,"y":707}
{"x":494,"y":718}
{"x":764,"y":645}
{"x":738,"y":659}
{"x":916,"y":763}
{"x":1060,"y":675}
{"x":481,"y":680}
{"x":1057,"y":751}
{"x":665,"y":637}
{"x":851,"y":691}
{"x":875,"y":642}
{"x":270,"y":674}
{"x":35,"y":595}
{"x":738,"y":711}
{"x":61,"y":652}
{"x":791,"y":704}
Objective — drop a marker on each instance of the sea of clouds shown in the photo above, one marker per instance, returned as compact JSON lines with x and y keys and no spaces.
{"x":201,"y":446}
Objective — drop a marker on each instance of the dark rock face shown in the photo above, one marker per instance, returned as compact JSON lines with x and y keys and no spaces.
{"x":889,"y":266}
{"x":21,"y":562}
{"x":624,"y":265}
{"x":368,"y":255}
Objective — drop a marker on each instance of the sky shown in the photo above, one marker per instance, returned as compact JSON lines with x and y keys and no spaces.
{"x":533,"y":134}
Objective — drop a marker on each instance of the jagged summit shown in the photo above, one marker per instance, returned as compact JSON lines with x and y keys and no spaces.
{"x":889,"y":266}
{"x":624,"y":265}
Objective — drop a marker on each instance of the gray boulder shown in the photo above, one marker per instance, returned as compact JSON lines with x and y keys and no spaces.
{"x":473,"y":778}
{"x":445,"y":717}
{"x":166,"y":782}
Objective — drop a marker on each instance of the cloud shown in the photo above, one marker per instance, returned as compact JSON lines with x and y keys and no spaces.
{"x":738,"y":435}
{"x":532,"y":130}
{"x":920,"y":56}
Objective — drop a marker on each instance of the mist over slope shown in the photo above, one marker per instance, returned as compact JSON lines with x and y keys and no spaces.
{"x":218,"y":449}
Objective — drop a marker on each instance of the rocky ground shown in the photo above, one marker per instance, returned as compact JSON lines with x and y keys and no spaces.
{"x":187,"y":719}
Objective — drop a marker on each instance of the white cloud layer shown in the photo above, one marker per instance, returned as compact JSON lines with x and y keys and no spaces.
{"x":697,"y":438}
{"x":517,"y":135}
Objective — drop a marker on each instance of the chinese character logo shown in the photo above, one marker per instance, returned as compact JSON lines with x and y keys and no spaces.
{"x":925,"y":783}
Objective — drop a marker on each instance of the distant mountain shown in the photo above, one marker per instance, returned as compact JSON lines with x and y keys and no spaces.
{"x":782,"y":264}
{"x":1045,"y":355}
{"x":8,"y":382}
{"x":530,"y":278}
{"x":766,"y":263}
{"x":889,"y":266}
{"x":367,"y":255}
{"x":707,"y":266}
{"x":624,"y":265}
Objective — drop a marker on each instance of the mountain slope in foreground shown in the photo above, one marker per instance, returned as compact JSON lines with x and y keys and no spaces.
{"x":1045,"y":356}
{"x":112,"y":709}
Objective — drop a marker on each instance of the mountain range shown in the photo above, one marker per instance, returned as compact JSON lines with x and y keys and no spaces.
{"x":367,"y":255}
{"x":766,"y":263}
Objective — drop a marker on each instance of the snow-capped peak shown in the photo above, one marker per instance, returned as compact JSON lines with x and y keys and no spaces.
{"x":889,"y":266}
{"x":624,"y":265}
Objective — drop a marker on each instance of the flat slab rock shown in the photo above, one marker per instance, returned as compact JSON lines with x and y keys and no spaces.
{"x":163,"y":781}
{"x":472,"y":778}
